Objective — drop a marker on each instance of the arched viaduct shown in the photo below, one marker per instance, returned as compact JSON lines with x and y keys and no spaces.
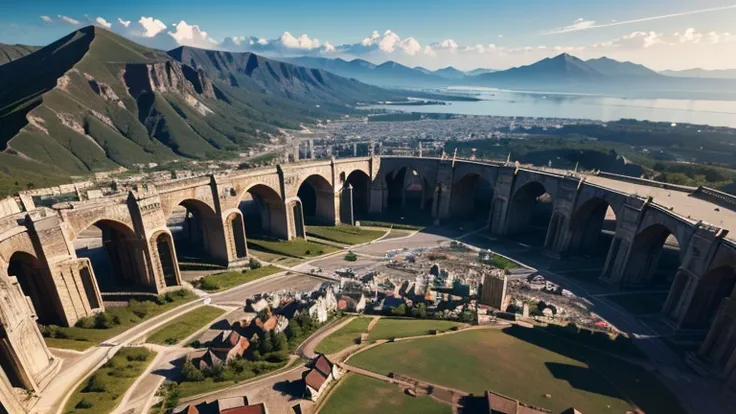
{"x":45,"y":278}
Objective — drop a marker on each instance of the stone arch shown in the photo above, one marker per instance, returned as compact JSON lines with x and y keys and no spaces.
{"x":196,"y":230}
{"x":296,"y":219}
{"x":471,"y":196}
{"x":408,"y":189}
{"x":593,"y":227}
{"x":36,"y":282}
{"x":317,"y":198}
{"x":264,"y":211}
{"x":356,"y":196}
{"x":162,"y":243}
{"x":235,"y":236}
{"x":530,"y":212}
{"x":114,"y":251}
{"x":715,"y":286}
{"x":654,"y":257}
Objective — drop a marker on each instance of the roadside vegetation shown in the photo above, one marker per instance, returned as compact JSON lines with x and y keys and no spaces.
{"x":388,"y":328}
{"x":92,"y":330}
{"x":102,"y":391}
{"x":226,"y":280}
{"x":368,"y":395}
{"x":344,"y":337}
{"x":184,"y":326}
{"x":344,"y":234}
{"x":296,"y":248}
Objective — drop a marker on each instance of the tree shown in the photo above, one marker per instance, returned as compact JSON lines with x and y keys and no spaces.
{"x":467,"y":316}
{"x":293,"y":330}
{"x":190,"y":373}
{"x":279,"y":342}
{"x":265,"y":345}
{"x":399,"y":310}
{"x":419,"y":311}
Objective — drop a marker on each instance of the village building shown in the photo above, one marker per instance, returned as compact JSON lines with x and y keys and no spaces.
{"x":229,"y":345}
{"x":233,"y":405}
{"x":322,"y":373}
{"x":281,"y":324}
{"x":205,"y":359}
{"x":256,"y":305}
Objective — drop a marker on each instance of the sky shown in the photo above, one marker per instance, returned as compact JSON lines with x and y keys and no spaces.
{"x":466,"y":34}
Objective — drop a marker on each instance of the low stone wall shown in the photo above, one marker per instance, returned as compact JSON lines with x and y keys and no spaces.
{"x":716,"y":197}
{"x":644,"y":181}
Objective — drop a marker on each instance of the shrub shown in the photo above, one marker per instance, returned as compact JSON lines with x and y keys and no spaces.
{"x":433,"y":332}
{"x":207,"y":283}
{"x":104,"y":320}
{"x":137,"y":354}
{"x":253,"y":263}
{"x":308,"y":252}
{"x":351,"y":257}
{"x":190,"y":373}
{"x":139,"y":309}
{"x":455,"y":328}
{"x":84,"y":404}
{"x":195,"y":344}
{"x":88,"y":322}
{"x":94,"y":384}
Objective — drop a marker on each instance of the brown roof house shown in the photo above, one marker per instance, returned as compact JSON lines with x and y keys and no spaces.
{"x":317,"y":379}
{"x":230,"y":344}
{"x":205,"y":359}
{"x":233,"y":405}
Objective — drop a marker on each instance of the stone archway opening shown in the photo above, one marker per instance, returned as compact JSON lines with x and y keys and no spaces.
{"x":530,"y":213}
{"x":408,"y":191}
{"x":194,"y":226}
{"x":264,"y":212}
{"x":318,"y":200}
{"x":593,"y":229}
{"x":236,"y":237}
{"x":471,"y":198}
{"x":167,"y":256}
{"x":36,"y":283}
{"x":356,"y":195}
{"x":654,"y":258}
{"x":717,"y":285}
{"x":116,"y":256}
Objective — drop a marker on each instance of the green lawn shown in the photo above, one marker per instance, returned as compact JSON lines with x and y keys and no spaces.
{"x":230,"y":377}
{"x":344,"y":234}
{"x":367,"y":396}
{"x":226,"y":280}
{"x":102,"y":391}
{"x":525,"y":364}
{"x":640,"y":304}
{"x":399,"y":328}
{"x":92,"y":330}
{"x":185,"y":325}
{"x":298,"y":248}
{"x":343,"y":337}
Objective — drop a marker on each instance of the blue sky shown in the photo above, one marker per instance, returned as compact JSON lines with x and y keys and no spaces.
{"x":510,"y":32}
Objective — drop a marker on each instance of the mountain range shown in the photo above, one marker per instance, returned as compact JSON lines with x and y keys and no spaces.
{"x":702,"y":73}
{"x":9,"y":53}
{"x":95,"y":101}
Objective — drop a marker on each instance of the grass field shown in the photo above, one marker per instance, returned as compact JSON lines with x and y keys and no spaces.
{"x":185,"y":325}
{"x":114,"y":321}
{"x":525,"y":364}
{"x":226,"y":280}
{"x":188,"y":389}
{"x":344,"y":234}
{"x":641,"y":303}
{"x":343,"y":337}
{"x":367,"y":396}
{"x":102,"y":391}
{"x":387,"y":328}
{"x":298,"y":248}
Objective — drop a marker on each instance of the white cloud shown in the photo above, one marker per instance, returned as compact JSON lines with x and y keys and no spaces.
{"x":301,"y":42}
{"x":581,"y":24}
{"x":68,"y":20}
{"x":102,"y":22}
{"x":151,"y":27}
{"x":47,"y":19}
{"x":191,"y":35}
{"x":690,"y":36}
{"x":125,"y":23}
{"x":389,"y":42}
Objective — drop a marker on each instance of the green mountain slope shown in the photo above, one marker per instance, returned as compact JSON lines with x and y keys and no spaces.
{"x":95,"y":101}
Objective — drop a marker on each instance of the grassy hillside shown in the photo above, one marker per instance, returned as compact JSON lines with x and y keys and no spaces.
{"x":9,"y":53}
{"x":95,"y":101}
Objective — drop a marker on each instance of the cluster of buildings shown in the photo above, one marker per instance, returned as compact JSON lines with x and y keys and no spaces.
{"x":263,"y":314}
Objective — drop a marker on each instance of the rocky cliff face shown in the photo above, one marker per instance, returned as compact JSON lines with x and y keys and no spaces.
{"x":168,"y":76}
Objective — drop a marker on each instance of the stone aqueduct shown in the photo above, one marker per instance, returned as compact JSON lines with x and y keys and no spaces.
{"x":41,"y":276}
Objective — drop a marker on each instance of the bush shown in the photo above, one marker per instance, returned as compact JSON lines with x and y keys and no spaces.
{"x":104,"y":320}
{"x":455,"y":328}
{"x":84,"y":404}
{"x":137,"y":354}
{"x":190,"y":373}
{"x":351,"y":257}
{"x":207,"y":283}
{"x":253,"y":263}
{"x":88,"y":322}
{"x":53,"y":331}
{"x":433,"y":332}
{"x":139,"y":309}
{"x":307,"y":252}
{"x":94,"y":384}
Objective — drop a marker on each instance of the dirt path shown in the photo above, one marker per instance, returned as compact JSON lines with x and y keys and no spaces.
{"x":306,"y":349}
